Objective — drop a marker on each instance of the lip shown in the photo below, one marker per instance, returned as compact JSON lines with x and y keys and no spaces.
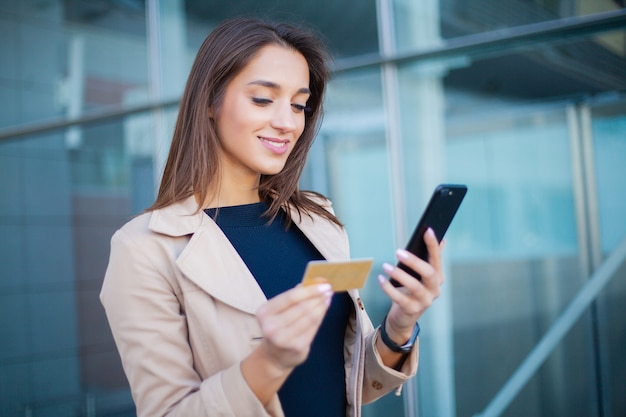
{"x":275,"y":145}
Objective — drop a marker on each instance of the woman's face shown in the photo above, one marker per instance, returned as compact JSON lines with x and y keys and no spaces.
{"x":262,"y":113}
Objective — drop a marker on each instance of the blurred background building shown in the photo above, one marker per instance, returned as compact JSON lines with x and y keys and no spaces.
{"x":522,"y":100}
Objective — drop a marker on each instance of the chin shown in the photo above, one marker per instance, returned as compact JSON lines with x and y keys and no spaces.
{"x":271,"y":166}
{"x":272,"y":170}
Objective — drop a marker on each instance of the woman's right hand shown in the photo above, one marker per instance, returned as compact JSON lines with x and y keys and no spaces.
{"x":288,"y":322}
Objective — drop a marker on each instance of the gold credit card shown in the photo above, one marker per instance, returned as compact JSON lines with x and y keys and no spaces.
{"x":342,"y":275}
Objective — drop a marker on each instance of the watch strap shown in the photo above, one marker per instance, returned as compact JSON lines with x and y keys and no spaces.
{"x":405,"y":348}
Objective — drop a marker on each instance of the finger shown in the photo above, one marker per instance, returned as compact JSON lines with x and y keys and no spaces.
{"x":410,"y":260}
{"x":302,"y":326}
{"x":398,"y":295}
{"x":295,"y":296}
{"x":294,"y":331}
{"x":434,"y":250}
{"x":432,"y":277}
{"x":408,"y":284}
{"x":424,"y":291}
{"x":287,"y":310}
{"x":290,"y":345}
{"x":274,"y":320}
{"x":412,"y":304}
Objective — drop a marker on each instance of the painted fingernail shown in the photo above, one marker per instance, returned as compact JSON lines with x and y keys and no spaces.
{"x":430,"y":231}
{"x":329,"y":298}
{"x":381,"y":279}
{"x":387,"y":268}
{"x":402,"y":254}
{"x":325,"y":288}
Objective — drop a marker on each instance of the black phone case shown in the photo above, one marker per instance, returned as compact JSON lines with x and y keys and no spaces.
{"x":441,"y":209}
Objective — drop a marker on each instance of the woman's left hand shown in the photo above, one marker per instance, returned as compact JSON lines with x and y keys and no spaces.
{"x":413,"y":297}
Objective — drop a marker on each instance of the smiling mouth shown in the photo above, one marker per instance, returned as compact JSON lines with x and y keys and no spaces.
{"x":276,"y":143}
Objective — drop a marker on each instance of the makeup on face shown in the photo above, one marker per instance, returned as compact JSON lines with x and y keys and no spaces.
{"x":262,"y":114}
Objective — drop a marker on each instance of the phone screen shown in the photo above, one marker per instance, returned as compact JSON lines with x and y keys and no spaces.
{"x":441,"y":209}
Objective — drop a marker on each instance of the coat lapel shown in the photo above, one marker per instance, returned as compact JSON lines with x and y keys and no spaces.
{"x":209,"y":260}
{"x":212,"y":263}
{"x":326,"y":236}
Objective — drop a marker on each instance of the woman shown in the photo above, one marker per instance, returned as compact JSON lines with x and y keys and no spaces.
{"x":202,"y":292}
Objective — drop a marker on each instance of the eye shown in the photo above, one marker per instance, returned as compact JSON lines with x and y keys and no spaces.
{"x":261,"y":101}
{"x":299,"y":108}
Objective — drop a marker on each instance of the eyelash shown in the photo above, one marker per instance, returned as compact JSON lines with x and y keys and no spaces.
{"x":265,"y":101}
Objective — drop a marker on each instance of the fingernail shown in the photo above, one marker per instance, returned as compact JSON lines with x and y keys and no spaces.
{"x":325,"y":288}
{"x":430,"y":231}
{"x":403,"y":254}
{"x":329,"y":298}
{"x":381,"y":279}
{"x":387,"y":267}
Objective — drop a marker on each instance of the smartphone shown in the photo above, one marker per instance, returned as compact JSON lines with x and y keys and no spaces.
{"x":443,"y":205}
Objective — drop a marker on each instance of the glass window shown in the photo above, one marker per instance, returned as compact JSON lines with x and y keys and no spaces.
{"x":353,"y":147}
{"x":507,"y":122}
{"x":348,"y":27}
{"x":69,"y":58}
{"x":608,"y":127}
{"x":501,"y":122}
{"x":463,"y":18}
{"x":60,"y":208}
{"x":609,"y":146}
{"x":514,"y":259}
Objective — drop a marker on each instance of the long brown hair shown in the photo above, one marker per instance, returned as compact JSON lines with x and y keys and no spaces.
{"x":193,"y":161}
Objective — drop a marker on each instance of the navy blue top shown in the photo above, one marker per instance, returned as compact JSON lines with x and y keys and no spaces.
{"x":277,"y":257}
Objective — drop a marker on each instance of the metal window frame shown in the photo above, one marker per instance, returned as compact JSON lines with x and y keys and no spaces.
{"x":484,"y":43}
{"x":581,"y":302}
{"x":487,"y":42}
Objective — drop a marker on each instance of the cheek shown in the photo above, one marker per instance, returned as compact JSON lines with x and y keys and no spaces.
{"x":301,"y":126}
{"x":229,"y":122}
{"x":298,"y":143}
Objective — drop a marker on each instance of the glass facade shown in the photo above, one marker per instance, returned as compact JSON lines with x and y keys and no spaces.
{"x":523,"y":101}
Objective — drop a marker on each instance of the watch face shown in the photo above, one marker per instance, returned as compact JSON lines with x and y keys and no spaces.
{"x":409,"y":345}
{"x":406,"y":348}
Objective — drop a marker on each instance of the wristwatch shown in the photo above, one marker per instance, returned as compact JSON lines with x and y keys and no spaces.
{"x":405,"y":348}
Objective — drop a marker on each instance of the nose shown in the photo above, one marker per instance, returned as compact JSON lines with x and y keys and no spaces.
{"x":284,"y":118}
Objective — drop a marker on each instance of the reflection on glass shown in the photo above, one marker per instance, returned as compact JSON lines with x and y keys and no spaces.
{"x":355,"y":155}
{"x":349,"y":28}
{"x":608,"y":130}
{"x":608,"y":127}
{"x":60,"y":208}
{"x":460,"y":17}
{"x":493,"y":119}
{"x":514,"y":251}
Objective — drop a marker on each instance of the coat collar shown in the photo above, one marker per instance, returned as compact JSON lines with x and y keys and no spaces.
{"x":179,"y":219}
{"x":211,"y":262}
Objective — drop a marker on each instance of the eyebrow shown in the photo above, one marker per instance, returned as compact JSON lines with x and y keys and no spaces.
{"x":274,"y":86}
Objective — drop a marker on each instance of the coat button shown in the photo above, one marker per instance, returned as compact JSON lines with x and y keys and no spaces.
{"x":377,"y":385}
{"x":360,"y":303}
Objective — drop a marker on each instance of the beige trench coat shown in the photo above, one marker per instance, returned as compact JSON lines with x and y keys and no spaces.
{"x":181,"y":304}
